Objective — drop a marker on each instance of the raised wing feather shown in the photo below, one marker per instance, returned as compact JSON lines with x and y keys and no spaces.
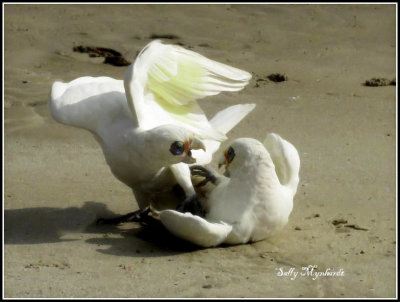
{"x":166,"y":80}
{"x":91,"y":103}
{"x":228,"y":118}
{"x":194,"y":228}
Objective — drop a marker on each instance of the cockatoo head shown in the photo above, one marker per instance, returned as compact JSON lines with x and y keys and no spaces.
{"x":241,"y":153}
{"x":173,"y":144}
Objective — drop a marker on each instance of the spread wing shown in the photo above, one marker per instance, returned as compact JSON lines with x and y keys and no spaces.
{"x":194,"y":228}
{"x":91,"y":103}
{"x":165,"y":81}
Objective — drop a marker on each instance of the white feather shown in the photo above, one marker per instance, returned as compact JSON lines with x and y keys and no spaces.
{"x":228,"y":118}
{"x":194,"y":228}
{"x":89,"y":103}
{"x":286,"y":160}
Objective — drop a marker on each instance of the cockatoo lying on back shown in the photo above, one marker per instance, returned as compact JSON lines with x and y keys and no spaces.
{"x":149,"y":125}
{"x":251,"y":204}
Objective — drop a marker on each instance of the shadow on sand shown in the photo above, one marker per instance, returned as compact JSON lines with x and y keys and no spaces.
{"x":48,"y":225}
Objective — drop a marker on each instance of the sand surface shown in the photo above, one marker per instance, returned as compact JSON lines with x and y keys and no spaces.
{"x":56,"y":181}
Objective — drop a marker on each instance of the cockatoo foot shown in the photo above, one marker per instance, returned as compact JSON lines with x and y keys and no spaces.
{"x":136,"y":216}
{"x":192,"y":205}
{"x":208,"y":174}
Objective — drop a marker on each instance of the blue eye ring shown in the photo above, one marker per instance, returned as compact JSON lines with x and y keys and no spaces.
{"x":177,"y":148}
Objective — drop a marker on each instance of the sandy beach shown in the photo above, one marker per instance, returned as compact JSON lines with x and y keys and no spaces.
{"x":56,"y":181}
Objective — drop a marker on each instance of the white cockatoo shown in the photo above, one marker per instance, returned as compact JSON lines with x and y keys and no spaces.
{"x":251,"y":204}
{"x":149,"y":124}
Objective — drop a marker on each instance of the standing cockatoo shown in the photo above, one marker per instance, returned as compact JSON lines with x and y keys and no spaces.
{"x":149,"y":123}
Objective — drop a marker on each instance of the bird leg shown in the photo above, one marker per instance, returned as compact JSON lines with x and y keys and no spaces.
{"x":191,"y":204}
{"x":136,"y":216}
{"x":207,"y":173}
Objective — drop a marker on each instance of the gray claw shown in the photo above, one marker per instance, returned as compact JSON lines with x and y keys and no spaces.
{"x":208,"y":174}
{"x":136,"y":216}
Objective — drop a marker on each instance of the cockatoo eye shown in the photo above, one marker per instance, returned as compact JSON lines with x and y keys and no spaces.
{"x":177,"y":148}
{"x":230,"y":154}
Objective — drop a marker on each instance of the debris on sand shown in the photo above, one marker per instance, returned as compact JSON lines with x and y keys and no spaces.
{"x":356,"y":227}
{"x":375,"y":82}
{"x":111,"y":56}
{"x":164,"y":36}
{"x":204,"y":45}
{"x":273,"y":77}
{"x":116,"y":61}
{"x":277,"y":77}
{"x":339,"y":221}
{"x":313,"y":216}
{"x":259,"y":81}
{"x":62,"y":265}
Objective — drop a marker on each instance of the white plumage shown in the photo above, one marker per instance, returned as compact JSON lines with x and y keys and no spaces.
{"x":137,"y":120}
{"x":252,"y":203}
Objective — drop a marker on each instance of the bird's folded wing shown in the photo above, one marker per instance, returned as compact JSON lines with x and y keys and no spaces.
{"x":194,"y":228}
{"x":89,"y":102}
{"x":166,"y":80}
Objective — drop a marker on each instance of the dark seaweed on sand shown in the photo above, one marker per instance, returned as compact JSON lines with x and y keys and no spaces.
{"x":277,"y":77}
{"x":111,"y":56}
{"x":375,"y":82}
{"x":164,"y":36}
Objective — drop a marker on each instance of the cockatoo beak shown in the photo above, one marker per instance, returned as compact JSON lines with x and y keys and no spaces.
{"x":197,"y":144}
{"x":194,"y":144}
{"x":223,"y":161}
